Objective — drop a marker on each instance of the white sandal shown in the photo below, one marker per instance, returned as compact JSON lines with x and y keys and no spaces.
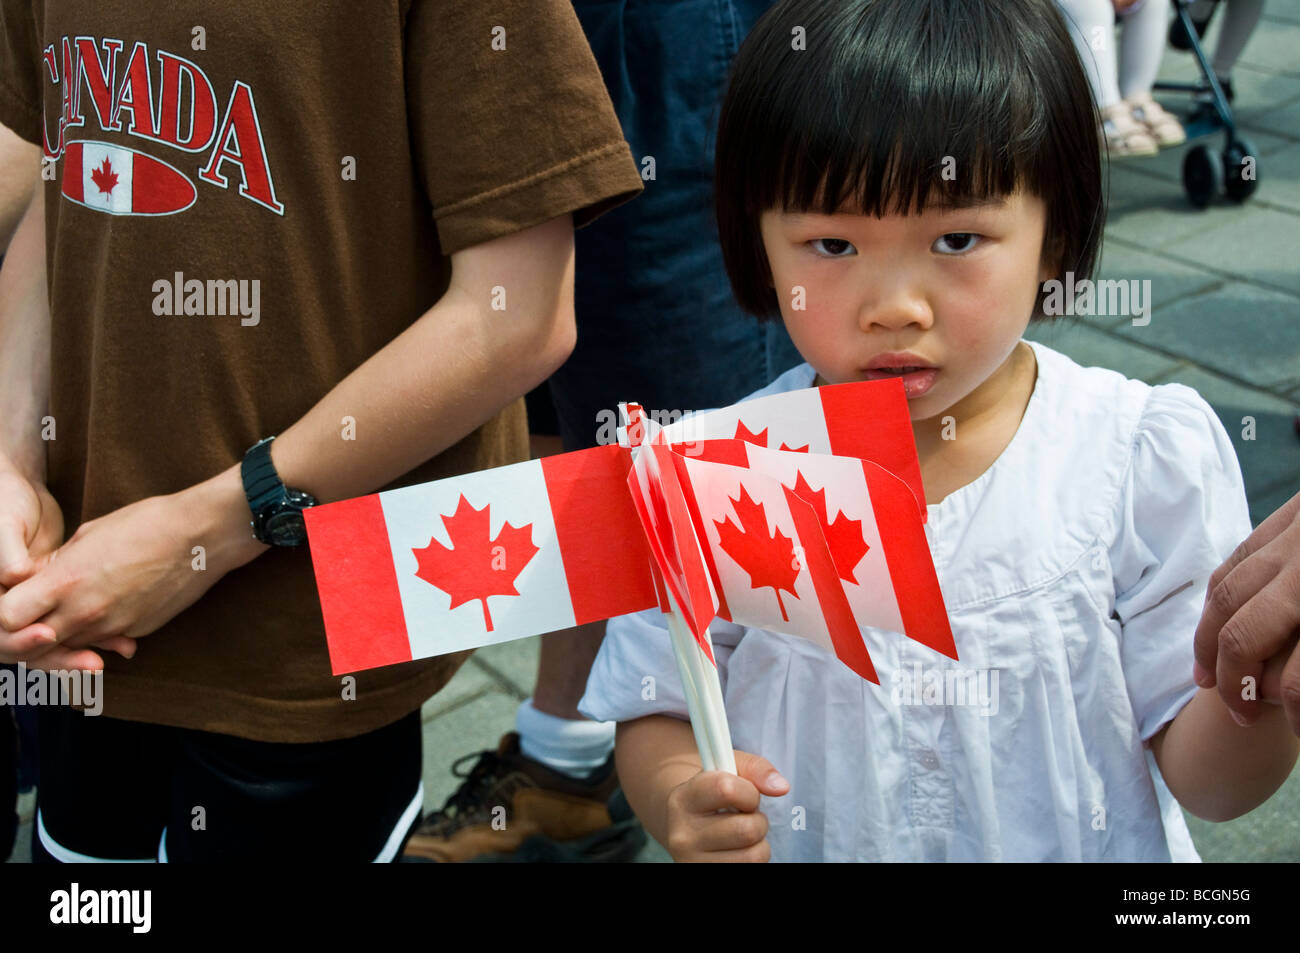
{"x":1164,"y":128}
{"x":1125,"y":136}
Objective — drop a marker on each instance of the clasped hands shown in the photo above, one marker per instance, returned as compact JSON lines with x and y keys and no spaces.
{"x":119,"y":577}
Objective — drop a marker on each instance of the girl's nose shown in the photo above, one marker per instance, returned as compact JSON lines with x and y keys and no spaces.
{"x":895,"y":305}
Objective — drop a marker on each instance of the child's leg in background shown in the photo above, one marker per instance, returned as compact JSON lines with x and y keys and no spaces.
{"x":1142,"y":44}
{"x":1239,"y":21}
{"x":1092,"y":23}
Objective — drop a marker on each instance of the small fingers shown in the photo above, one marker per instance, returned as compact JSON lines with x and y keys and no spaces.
{"x":760,"y":853}
{"x":728,"y":832}
{"x":712,"y":791}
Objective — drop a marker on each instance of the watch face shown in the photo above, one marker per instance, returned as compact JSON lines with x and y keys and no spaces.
{"x":286,"y":529}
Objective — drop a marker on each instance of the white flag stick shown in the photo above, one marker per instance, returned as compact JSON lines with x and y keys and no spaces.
{"x":694,"y":704}
{"x":725,"y":755}
{"x":708,"y":690}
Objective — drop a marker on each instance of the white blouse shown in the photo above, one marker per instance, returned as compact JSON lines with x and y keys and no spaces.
{"x":1074,"y":571}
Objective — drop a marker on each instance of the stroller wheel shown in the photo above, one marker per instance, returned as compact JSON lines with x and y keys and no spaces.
{"x":1202,"y":176}
{"x":1240,"y":175}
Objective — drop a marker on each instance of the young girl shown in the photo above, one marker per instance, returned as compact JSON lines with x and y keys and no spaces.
{"x":911,"y":172}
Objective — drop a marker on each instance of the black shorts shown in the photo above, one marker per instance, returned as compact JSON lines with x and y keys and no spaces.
{"x":113,"y":790}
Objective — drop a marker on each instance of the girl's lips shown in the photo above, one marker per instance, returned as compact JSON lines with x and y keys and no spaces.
{"x":915,"y":381}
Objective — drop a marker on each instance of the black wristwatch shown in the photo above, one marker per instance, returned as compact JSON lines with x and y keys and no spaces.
{"x":276,"y":508}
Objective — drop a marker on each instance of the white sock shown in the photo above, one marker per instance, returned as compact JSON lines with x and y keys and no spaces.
{"x":575,"y":747}
{"x":1142,"y":43}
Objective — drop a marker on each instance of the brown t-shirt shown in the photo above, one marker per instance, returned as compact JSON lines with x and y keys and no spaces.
{"x":326,"y":157}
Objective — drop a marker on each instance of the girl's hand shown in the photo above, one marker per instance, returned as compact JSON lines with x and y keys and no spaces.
{"x":714,"y":816}
{"x":1122,"y":6}
{"x":118,"y":578}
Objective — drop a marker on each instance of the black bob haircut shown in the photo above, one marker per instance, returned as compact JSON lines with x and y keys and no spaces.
{"x":883,"y":91}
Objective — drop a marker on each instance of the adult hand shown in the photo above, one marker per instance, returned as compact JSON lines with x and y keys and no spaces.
{"x":31,"y":527}
{"x":1248,"y":630}
{"x":697,"y":831}
{"x":118,"y":578}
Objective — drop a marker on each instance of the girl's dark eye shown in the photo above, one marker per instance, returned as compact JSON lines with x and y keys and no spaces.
{"x":833,"y":247}
{"x":956,"y":243}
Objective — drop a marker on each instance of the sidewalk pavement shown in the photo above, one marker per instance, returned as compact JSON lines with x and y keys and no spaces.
{"x":1225,"y":320}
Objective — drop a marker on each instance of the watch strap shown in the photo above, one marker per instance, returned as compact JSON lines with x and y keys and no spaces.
{"x":262,"y":485}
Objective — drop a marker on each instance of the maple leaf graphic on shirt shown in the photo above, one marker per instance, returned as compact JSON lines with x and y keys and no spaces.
{"x":768,"y":558}
{"x":760,"y":439}
{"x":104,"y":177}
{"x":844,"y":536}
{"x":477,"y":566}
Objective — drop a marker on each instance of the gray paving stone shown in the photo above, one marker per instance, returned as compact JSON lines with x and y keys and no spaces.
{"x":1279,"y":180}
{"x":470,"y":682}
{"x":1271,"y":47}
{"x":1279,"y":14}
{"x":516,"y":661}
{"x":1153,"y":213}
{"x":1170,"y":280}
{"x":26,"y":810}
{"x":1274,"y":455}
{"x":22,"y":845}
{"x":1092,"y":348}
{"x":1259,"y":95}
{"x":1241,"y":331}
{"x":1281,"y":121}
{"x":1270,"y":833}
{"x":1255,"y":243}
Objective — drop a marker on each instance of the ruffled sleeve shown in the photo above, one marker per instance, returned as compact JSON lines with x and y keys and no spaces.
{"x":1182,"y":512}
{"x":635,"y":675}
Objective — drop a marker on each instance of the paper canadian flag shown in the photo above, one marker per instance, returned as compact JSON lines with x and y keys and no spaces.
{"x":818,"y":538}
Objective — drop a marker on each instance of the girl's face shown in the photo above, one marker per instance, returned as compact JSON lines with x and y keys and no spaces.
{"x":950,"y":291}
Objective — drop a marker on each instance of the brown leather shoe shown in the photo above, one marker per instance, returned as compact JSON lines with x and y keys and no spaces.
{"x":511,"y":808}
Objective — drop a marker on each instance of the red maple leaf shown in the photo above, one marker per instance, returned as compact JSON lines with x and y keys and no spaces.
{"x":477,"y":567}
{"x":760,"y":438}
{"x":769,"y":559}
{"x":844,"y":536}
{"x":104,"y":177}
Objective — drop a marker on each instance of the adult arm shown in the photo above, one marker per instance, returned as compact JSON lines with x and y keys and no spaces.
{"x":127,"y":573}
